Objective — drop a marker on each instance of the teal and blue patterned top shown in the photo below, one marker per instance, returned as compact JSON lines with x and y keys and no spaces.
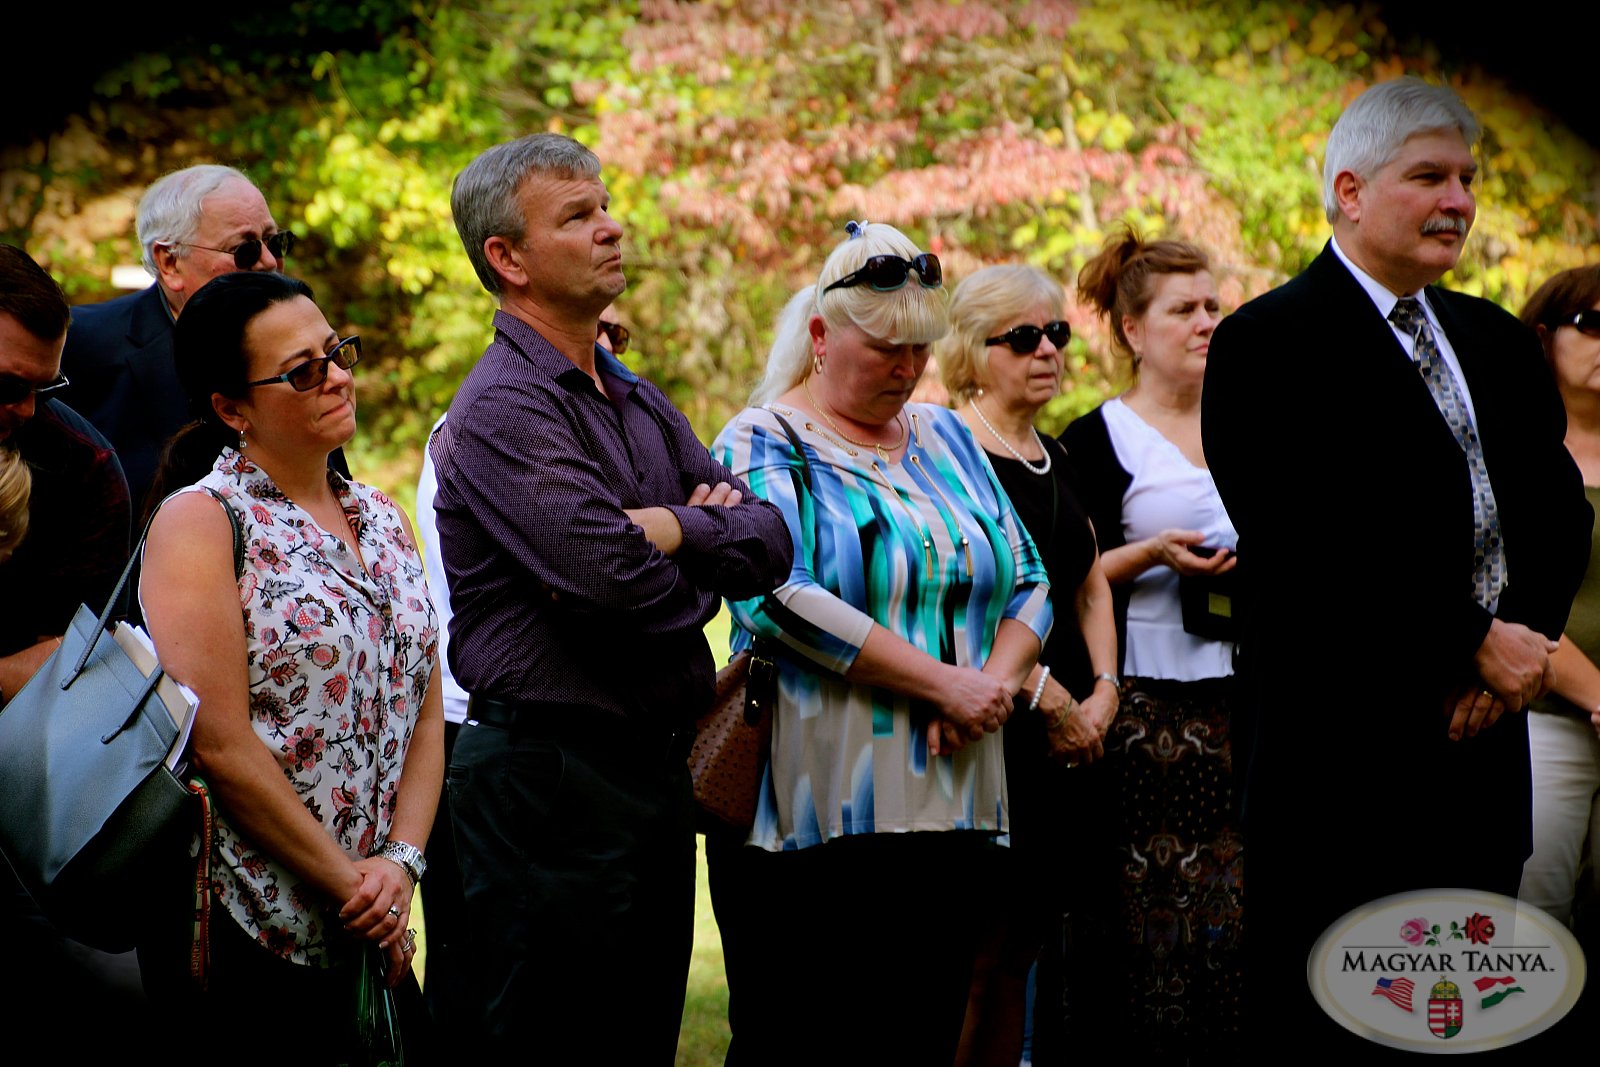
{"x":927,"y":547}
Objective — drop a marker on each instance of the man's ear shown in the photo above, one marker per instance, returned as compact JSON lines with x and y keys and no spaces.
{"x":166,"y":258}
{"x":506,"y":261}
{"x":1347,"y":190}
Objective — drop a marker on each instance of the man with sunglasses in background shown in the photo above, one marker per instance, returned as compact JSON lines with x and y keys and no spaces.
{"x":194,"y":224}
{"x":74,"y":549}
{"x":587,"y":536}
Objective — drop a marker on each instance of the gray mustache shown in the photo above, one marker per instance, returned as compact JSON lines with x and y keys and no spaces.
{"x":1444,"y":224}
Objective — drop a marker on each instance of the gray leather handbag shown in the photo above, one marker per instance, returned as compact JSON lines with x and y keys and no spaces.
{"x":91,"y":819}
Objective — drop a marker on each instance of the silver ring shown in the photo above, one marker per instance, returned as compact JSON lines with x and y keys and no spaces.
{"x":394,"y":910}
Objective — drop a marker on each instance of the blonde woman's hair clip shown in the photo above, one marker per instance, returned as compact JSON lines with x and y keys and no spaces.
{"x":856,"y":229}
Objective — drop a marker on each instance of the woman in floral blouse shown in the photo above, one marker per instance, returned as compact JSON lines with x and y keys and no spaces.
{"x":319,"y":731}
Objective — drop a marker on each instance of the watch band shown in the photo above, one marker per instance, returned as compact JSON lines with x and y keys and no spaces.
{"x":408,"y":856}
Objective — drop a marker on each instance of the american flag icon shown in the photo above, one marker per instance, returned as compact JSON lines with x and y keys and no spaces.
{"x":1397,"y":990}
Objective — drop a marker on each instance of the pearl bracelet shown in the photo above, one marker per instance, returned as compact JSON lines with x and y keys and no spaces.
{"x":1038,"y":690}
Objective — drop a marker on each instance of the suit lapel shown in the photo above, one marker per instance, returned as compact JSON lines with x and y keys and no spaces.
{"x":150,"y":363}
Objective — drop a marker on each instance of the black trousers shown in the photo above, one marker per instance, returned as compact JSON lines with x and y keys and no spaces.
{"x":576,"y":845}
{"x":446,"y":991}
{"x":859,"y":951}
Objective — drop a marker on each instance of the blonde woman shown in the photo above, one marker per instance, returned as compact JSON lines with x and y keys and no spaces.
{"x":1001,"y":362}
{"x":913,"y":615}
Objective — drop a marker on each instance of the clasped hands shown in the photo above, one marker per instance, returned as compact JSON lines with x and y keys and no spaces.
{"x":972,"y":703}
{"x":379,"y":910}
{"x":1513,"y":665}
{"x":1077,"y":728}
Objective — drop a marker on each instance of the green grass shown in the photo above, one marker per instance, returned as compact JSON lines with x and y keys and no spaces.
{"x":703,"y":1040}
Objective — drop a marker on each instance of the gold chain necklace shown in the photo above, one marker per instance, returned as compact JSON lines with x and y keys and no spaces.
{"x":881,"y":450}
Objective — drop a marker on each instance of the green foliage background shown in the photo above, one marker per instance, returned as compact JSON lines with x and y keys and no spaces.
{"x":738,"y":136}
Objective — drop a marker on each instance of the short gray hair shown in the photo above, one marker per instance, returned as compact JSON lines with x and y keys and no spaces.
{"x":169,"y":211}
{"x":483,"y":200}
{"x":1379,"y":121}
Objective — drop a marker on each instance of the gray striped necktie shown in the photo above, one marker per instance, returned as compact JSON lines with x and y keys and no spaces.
{"x":1489,"y":557}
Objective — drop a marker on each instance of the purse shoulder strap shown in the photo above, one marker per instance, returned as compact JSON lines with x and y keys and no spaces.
{"x":799,"y":449}
{"x":116,"y":594}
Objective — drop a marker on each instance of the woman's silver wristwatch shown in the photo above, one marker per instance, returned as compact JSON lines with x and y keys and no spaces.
{"x":408,"y":856}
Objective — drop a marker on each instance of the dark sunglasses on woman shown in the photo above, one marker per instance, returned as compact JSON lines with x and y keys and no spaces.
{"x":1024,"y":339}
{"x":16,"y":390}
{"x":614,"y":332}
{"x":313,"y":372}
{"x":1585,"y":322}
{"x":888,"y":273}
{"x":248,"y":254}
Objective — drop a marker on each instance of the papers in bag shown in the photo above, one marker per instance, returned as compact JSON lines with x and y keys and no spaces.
{"x":179,"y":699}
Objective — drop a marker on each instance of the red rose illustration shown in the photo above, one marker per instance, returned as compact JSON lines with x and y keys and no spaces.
{"x":1480,"y":928}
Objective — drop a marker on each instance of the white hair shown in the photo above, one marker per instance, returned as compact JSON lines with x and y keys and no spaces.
{"x":1378,"y":122}
{"x":170,"y":210}
{"x":911,"y":315}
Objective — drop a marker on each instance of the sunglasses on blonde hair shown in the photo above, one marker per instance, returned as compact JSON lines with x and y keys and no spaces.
{"x":888,"y":273}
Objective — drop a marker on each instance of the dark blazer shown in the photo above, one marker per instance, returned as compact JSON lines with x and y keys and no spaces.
{"x":119,"y":360}
{"x":1353,"y":504}
{"x":124,"y":381}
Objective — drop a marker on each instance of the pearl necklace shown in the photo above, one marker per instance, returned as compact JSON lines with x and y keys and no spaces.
{"x":1043,"y":469}
{"x":881,"y":450}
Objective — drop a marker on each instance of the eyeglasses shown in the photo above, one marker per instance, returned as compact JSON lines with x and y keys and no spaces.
{"x":888,"y":273}
{"x":248,"y":254}
{"x":1024,"y":339}
{"x":614,"y":332}
{"x":313,"y":372}
{"x":16,"y":390}
{"x":1586,"y":322}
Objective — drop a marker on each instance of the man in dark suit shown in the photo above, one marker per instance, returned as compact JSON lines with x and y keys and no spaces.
{"x":1411,"y":533}
{"x":194,"y":224}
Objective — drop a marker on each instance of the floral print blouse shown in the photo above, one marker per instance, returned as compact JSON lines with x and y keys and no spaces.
{"x":339,"y":658}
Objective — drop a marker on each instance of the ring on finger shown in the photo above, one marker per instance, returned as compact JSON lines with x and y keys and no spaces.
{"x":394,"y":910}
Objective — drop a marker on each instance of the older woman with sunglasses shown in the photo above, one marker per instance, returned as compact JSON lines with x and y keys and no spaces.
{"x":914,"y":612}
{"x":319,"y":728}
{"x":1565,"y":312}
{"x":1001,"y":363}
{"x":1155,"y":967}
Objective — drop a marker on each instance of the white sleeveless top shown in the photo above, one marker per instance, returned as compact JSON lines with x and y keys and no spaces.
{"x":1167,"y":492}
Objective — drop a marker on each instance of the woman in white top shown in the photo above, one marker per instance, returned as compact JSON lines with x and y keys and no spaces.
{"x":1158,"y":917}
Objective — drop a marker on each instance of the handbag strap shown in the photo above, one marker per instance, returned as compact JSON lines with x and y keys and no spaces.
{"x":122,"y":582}
{"x":799,"y":449}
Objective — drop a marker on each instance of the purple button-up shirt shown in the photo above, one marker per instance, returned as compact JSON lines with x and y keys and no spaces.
{"x":559,"y":599}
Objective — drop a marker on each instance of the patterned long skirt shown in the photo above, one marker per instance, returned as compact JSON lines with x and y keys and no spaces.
{"x":1149,"y":950}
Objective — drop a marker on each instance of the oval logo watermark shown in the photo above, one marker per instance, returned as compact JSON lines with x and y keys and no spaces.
{"x":1446,"y":970}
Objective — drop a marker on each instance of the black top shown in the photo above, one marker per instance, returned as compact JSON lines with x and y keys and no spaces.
{"x":1103,"y":482}
{"x":1048,"y":506}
